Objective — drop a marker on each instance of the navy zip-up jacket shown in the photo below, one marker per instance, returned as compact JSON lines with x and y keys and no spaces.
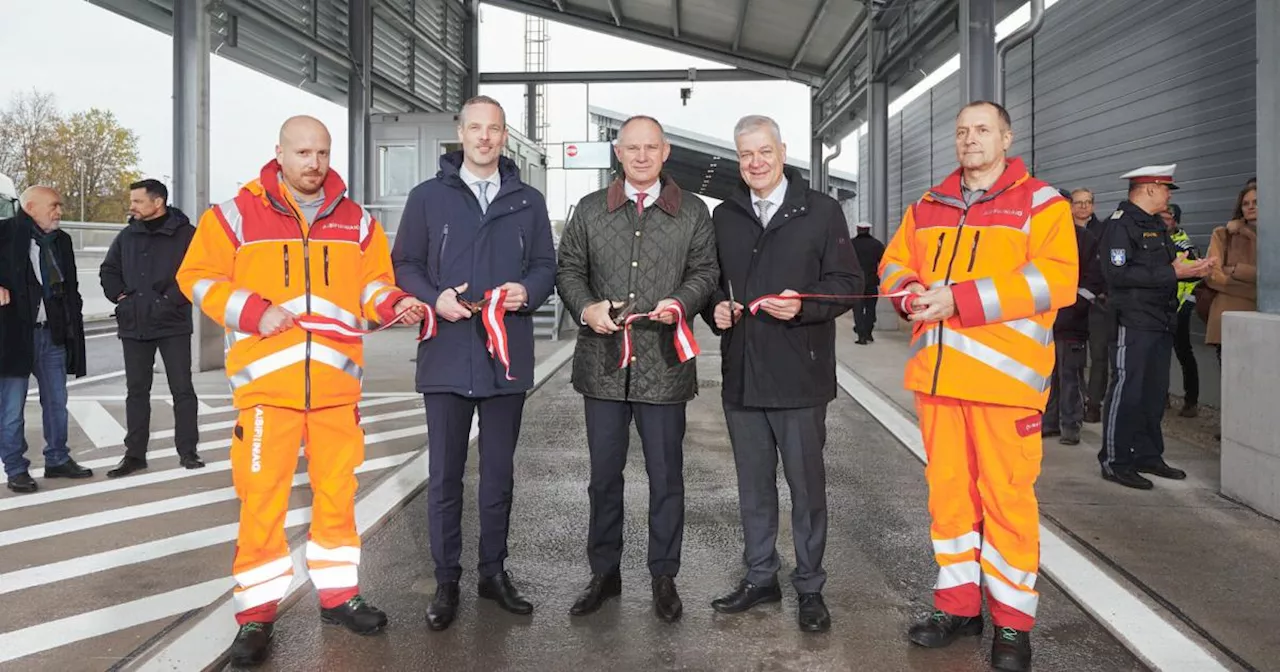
{"x":444,"y":241}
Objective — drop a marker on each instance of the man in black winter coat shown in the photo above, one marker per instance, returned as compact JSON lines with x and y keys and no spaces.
{"x":869,"y":251}
{"x":41,"y":333}
{"x":138,"y":276}
{"x":776,"y":236}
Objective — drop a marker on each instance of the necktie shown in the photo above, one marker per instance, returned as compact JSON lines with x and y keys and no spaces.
{"x":764,"y":207}
{"x":640,"y":203}
{"x":484,"y":196}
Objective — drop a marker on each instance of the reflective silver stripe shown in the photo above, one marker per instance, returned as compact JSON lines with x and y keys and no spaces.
{"x":231,"y":213}
{"x":990,"y":299}
{"x":1044,"y":195}
{"x":965,"y":542}
{"x":1015,"y":576}
{"x":959,"y":574}
{"x":1039,"y":286}
{"x":324,"y":307}
{"x":254,"y":370}
{"x":326,"y":355}
{"x":200,"y":289}
{"x":366,"y":223}
{"x":350,"y":554}
{"x":329,"y":578}
{"x":1109,"y":436}
{"x":891,"y":268}
{"x":1021,"y":600}
{"x":1032,"y":329}
{"x":1026,"y":226}
{"x":1088,"y":295}
{"x":371,"y":290}
{"x":261,"y":594}
{"x":996,"y":360}
{"x":265,"y":572}
{"x":235,"y":306}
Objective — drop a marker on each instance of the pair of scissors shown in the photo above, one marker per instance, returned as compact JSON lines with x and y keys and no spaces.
{"x":620,"y":313}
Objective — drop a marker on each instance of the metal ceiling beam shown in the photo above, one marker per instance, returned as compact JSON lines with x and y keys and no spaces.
{"x":742,"y":23}
{"x":616,"y":12}
{"x":943,"y":19}
{"x":675,"y":18}
{"x":559,"y":5}
{"x":808,"y":34}
{"x":401,"y":22}
{"x":617,"y":76}
{"x":658,"y":37}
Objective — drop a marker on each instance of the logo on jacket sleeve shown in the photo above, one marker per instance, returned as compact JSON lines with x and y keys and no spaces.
{"x":1117,"y":256}
{"x":1028,"y":425}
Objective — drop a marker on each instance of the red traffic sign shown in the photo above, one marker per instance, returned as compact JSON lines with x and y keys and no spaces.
{"x":572,"y":150}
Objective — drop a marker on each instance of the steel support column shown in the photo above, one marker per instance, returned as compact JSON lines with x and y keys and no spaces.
{"x":359,"y":98}
{"x":817,"y":167}
{"x":877,"y":143}
{"x":977,"y":50}
{"x":1268,"y":100}
{"x":531,"y":113}
{"x":191,"y":147}
{"x":472,"y":45}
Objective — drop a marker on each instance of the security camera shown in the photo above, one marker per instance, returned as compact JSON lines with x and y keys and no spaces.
{"x":685,"y":94}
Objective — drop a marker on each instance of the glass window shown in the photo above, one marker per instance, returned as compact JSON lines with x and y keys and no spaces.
{"x":397,"y":170}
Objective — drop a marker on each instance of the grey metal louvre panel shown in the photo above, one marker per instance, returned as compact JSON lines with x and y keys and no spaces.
{"x":864,"y":179}
{"x":1184,"y":93}
{"x":455,"y":91}
{"x":390,"y":51}
{"x":384,"y":102}
{"x":296,"y":13}
{"x":917,"y":151}
{"x":946,"y":104}
{"x":895,"y":172}
{"x":430,"y":18}
{"x":455,"y":31}
{"x":331,"y":23}
{"x":428,"y":79}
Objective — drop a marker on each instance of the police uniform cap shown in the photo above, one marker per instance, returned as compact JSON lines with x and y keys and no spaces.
{"x":1152,"y":175}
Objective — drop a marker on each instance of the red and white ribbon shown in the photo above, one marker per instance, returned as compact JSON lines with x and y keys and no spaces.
{"x":686,"y":346}
{"x":754,"y":306}
{"x":341,"y":331}
{"x":496,"y":327}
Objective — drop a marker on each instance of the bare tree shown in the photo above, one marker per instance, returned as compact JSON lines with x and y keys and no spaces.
{"x":27,"y":130}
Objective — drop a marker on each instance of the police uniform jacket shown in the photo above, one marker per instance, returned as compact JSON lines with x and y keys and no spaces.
{"x":1137,"y":256}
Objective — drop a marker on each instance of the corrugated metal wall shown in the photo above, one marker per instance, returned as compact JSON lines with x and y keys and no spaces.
{"x":1107,"y":86}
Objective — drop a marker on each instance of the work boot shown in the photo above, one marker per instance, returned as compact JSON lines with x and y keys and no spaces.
{"x":666,"y":601}
{"x":252,"y":644}
{"x":1070,"y":436}
{"x":1159,"y":468}
{"x":1190,"y":410}
{"x":1127,"y":477}
{"x":941,"y":628}
{"x":356,"y":615}
{"x":1011,"y":650}
{"x":1093,"y":414}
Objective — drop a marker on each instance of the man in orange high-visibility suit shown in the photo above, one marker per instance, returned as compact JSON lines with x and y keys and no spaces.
{"x":989,"y":256}
{"x":292,"y":243}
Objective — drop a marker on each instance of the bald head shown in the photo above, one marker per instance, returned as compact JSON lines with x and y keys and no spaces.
{"x":303,"y":154}
{"x":43,"y":204}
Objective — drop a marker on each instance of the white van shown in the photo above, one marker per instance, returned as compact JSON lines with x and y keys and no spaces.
{"x":8,"y":197}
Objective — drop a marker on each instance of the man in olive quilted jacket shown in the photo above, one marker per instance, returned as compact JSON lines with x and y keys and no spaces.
{"x":645,"y":246}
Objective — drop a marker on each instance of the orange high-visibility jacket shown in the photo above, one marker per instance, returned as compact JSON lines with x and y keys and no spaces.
{"x":1011,"y":261}
{"x":256,"y":250}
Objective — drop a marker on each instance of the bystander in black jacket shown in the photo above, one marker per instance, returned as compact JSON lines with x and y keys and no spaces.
{"x":1072,"y":323}
{"x":138,"y":276}
{"x":63,"y":304}
{"x":767,"y":363}
{"x":1137,"y":262}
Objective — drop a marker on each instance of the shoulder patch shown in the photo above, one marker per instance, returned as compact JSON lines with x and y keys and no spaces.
{"x":1150,"y":234}
{"x":1117,"y":256}
{"x":1117,"y":214}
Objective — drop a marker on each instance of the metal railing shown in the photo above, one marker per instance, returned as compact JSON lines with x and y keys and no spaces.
{"x":91,"y":236}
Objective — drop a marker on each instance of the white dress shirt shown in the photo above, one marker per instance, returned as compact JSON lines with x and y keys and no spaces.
{"x":34,"y":252}
{"x":473,"y":182}
{"x":651,"y":192}
{"x":774,"y":198}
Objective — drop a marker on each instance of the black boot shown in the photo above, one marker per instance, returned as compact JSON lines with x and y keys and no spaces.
{"x":357,"y":615}
{"x":601,"y":588}
{"x":252,"y":644}
{"x":444,"y":607}
{"x":1127,"y":477}
{"x":747,"y":595}
{"x":1159,"y":468}
{"x":499,"y":589}
{"x":941,"y":628}
{"x":1011,"y":650}
{"x":191,"y":461}
{"x":666,"y":601}
{"x":813,"y":615}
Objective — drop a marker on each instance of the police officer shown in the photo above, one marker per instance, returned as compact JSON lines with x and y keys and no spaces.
{"x":1172,"y":218}
{"x":1142,"y":267}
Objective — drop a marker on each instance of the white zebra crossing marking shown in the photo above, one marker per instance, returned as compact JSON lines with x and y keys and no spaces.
{"x":96,"y":423}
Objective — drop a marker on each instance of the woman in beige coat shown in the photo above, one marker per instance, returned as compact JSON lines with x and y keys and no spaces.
{"x":1235,"y":277}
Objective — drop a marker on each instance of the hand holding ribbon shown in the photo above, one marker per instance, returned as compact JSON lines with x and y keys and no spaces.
{"x":341,"y":331}
{"x":668,"y":311}
{"x":789,"y":296}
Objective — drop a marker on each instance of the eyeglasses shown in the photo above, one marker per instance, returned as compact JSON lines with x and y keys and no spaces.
{"x":1081,"y":202}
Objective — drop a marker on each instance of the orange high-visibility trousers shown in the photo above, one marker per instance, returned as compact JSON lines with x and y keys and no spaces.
{"x":264,"y":455}
{"x":983,"y":463}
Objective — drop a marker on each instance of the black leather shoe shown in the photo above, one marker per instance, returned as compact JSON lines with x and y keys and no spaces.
{"x":813,"y":615}
{"x":666,"y":601}
{"x":601,"y":588}
{"x":128,"y":465}
{"x":1162,"y":470}
{"x":68,"y":469}
{"x":444,"y":607}
{"x":1011,"y":650}
{"x":747,"y":595}
{"x":862,"y":341}
{"x":499,"y":589}
{"x":252,"y":644}
{"x":356,"y":615}
{"x":941,"y":628}
{"x":191,"y":461}
{"x":1128,"y":478}
{"x":23,"y":483}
